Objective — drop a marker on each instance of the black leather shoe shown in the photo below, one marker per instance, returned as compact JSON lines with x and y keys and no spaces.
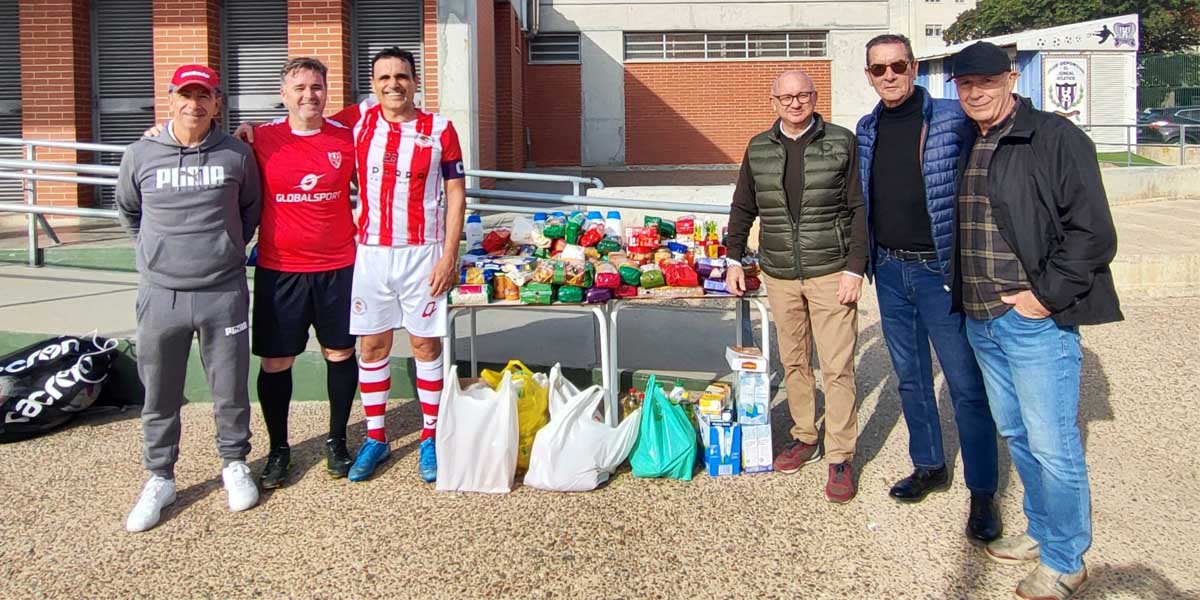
{"x":274,"y":475}
{"x":984,"y":523}
{"x":337,"y":458}
{"x":915,"y":487}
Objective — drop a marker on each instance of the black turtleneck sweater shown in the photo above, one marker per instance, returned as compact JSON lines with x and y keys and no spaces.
{"x":899,"y":217}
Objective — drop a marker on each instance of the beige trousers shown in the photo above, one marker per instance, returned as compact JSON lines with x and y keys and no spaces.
{"x":807,"y":311}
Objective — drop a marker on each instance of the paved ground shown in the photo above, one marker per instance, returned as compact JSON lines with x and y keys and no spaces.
{"x":766,"y":535}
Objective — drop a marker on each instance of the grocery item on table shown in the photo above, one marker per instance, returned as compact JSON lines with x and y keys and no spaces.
{"x":557,"y":247}
{"x":753,"y":284}
{"x":716,"y":286}
{"x":569,"y":294}
{"x":627,"y":291}
{"x":556,"y":226}
{"x":523,"y":231}
{"x":593,"y":229}
{"x":661,"y":255}
{"x":544,"y":271}
{"x":598,"y":295}
{"x":496,"y":241}
{"x":578,"y":274}
{"x":651,"y":221}
{"x":608,"y":246}
{"x":685,"y":225}
{"x":705,"y":266}
{"x":474,"y":231}
{"x":640,"y":257}
{"x":537,"y":293}
{"x":475,"y":275}
{"x":612,"y":225}
{"x":630,"y":275}
{"x":644,"y":239}
{"x":505,"y":288}
{"x":575,"y":227}
{"x":471,"y":294}
{"x":680,"y":275}
{"x":572,"y":252}
{"x":607,"y":276}
{"x":666,"y":229}
{"x":652,"y":277}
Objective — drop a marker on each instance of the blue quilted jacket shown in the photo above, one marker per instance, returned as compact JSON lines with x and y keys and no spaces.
{"x":944,"y":141}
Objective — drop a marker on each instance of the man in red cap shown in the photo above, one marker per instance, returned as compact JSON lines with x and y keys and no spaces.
{"x":191,"y":197}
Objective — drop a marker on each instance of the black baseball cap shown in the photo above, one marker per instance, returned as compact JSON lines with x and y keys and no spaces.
{"x":980,"y":58}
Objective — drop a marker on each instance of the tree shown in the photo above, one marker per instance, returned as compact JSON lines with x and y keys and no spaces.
{"x":1166,"y":25}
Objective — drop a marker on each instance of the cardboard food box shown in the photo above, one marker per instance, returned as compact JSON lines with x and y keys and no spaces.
{"x":714,"y":401}
{"x":723,"y":452}
{"x":742,"y":358}
{"x":756,"y":448}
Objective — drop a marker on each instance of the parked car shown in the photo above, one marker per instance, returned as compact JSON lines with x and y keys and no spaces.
{"x":1162,"y":125}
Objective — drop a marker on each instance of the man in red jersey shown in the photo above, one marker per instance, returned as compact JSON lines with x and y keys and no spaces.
{"x":305,"y":267}
{"x":408,"y":246}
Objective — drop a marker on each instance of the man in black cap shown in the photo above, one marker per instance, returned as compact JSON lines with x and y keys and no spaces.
{"x":1032,"y":251}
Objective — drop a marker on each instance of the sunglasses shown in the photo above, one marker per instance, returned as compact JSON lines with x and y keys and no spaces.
{"x":899,"y":67}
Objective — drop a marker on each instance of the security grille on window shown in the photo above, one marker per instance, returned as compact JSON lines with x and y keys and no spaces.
{"x":933,"y":30}
{"x":379,"y":24}
{"x":725,"y":45}
{"x":123,"y":76}
{"x":10,"y":93}
{"x":554,"y":48}
{"x":256,"y":46}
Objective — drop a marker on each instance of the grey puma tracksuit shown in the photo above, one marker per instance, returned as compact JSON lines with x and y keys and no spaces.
{"x":192,"y":210}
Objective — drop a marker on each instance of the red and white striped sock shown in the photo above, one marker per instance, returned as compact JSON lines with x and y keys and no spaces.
{"x":429,"y":392}
{"x":374,"y":383}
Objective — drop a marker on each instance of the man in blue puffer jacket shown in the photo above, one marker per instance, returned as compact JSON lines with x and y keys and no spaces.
{"x":908,"y":150}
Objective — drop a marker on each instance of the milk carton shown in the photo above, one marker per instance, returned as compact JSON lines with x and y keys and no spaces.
{"x":723,"y":452}
{"x":751,"y":385}
{"x":756,"y":448}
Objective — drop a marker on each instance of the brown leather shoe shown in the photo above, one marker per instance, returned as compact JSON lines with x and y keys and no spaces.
{"x":796,"y":455}
{"x":840,"y":488}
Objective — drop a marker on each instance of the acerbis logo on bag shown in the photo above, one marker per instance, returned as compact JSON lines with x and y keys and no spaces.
{"x":45,"y":354}
{"x":54,"y":390}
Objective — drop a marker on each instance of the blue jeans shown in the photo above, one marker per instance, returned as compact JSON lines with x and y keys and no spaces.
{"x":1031,"y":367}
{"x":914,"y":309}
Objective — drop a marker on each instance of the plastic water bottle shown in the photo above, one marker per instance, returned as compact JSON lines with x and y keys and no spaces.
{"x":612,"y":225}
{"x":539,"y":222}
{"x":474,"y":234}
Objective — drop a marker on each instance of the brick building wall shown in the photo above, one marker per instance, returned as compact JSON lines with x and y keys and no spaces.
{"x":56,"y":87}
{"x":553,"y":109}
{"x":429,"y":39}
{"x":321,"y":29}
{"x":679,"y":113}
{"x":185,"y":31}
{"x":485,"y":30}
{"x":510,"y":67}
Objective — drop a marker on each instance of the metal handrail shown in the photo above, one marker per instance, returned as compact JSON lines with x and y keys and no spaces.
{"x":55,"y":166}
{"x":6,"y":141}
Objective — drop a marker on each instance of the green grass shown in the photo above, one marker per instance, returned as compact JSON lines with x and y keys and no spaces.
{"x":1122,"y":159}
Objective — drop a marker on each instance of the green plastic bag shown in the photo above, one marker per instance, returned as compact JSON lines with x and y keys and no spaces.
{"x":608,"y":245}
{"x":630,"y":275}
{"x":537,"y":293}
{"x":569,"y":294}
{"x":666,"y":443}
{"x":653,"y":279}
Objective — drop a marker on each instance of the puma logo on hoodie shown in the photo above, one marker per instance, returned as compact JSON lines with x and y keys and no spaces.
{"x":192,"y":209}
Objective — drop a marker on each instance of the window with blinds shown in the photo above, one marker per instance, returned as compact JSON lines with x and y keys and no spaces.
{"x":379,"y":24}
{"x":725,"y":45}
{"x":10,"y":93}
{"x":255,"y":47}
{"x":123,"y":76}
{"x":549,"y":48}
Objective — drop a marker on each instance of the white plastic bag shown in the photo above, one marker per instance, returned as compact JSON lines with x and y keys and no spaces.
{"x":523,"y":232}
{"x":477,"y":437}
{"x":575,"y":452}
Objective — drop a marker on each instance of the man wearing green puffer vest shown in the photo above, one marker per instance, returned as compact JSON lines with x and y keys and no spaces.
{"x":800,"y":178}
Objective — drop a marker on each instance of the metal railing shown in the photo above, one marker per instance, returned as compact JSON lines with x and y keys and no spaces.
{"x":30,"y":171}
{"x":1139,"y":137}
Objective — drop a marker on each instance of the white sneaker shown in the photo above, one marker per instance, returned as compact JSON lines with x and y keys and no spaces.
{"x":243,"y":493}
{"x":158,"y":493}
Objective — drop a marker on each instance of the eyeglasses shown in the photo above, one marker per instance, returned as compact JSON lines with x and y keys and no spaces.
{"x":899,"y":67}
{"x":787,"y":99}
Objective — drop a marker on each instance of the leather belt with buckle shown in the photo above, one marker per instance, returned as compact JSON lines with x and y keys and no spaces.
{"x":907,"y":255}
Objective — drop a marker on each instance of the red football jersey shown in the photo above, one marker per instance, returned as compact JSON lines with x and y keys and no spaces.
{"x":401,"y":168}
{"x":307,"y":223}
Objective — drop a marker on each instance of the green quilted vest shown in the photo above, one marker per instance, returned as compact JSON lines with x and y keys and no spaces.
{"x":817,"y":244}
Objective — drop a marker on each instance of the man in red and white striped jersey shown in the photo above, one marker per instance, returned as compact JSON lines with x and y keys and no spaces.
{"x":407,"y":246}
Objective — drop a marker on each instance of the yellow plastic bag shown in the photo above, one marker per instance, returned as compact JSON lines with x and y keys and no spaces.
{"x":533,"y":401}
